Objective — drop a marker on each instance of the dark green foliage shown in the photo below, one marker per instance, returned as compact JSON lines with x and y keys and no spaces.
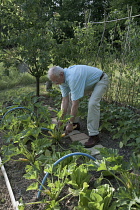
{"x":39,"y":152}
{"x":43,"y":33}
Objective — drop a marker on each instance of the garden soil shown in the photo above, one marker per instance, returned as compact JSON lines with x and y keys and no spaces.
{"x":15,"y":171}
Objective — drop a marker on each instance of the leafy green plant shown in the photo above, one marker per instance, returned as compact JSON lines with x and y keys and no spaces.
{"x":57,"y":130}
{"x":97,"y":199}
{"x":55,"y":185}
{"x":34,"y":152}
{"x":123,"y":123}
{"x":128,"y":196}
{"x":78,"y":176}
{"x":127,"y":200}
{"x":38,"y":151}
{"x":15,"y":122}
{"x":126,"y":175}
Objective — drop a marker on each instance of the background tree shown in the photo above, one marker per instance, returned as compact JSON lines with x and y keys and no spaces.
{"x":27,"y":35}
{"x":44,"y":32}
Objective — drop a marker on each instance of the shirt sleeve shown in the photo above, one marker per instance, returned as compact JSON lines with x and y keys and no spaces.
{"x":65,"y":90}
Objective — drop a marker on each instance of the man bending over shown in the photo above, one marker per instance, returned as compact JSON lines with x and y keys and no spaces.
{"x":74,"y":83}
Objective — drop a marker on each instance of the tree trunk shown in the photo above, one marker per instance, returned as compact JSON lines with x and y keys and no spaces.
{"x":37,"y":86}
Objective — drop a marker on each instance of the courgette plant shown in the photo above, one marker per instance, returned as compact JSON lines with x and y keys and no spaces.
{"x":97,"y":199}
{"x":127,"y":177}
{"x":122,"y":123}
{"x":38,"y":149}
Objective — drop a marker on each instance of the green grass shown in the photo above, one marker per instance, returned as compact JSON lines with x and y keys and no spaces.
{"x":18,"y":84}
{"x":123,"y":85}
{"x":12,"y":93}
{"x":10,"y":77}
{"x":18,"y":79}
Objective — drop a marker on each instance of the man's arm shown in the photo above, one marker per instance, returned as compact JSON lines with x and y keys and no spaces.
{"x":74,"y":110}
{"x":64,"y":105}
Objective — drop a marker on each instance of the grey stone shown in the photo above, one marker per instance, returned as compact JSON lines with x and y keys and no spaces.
{"x":95,"y":151}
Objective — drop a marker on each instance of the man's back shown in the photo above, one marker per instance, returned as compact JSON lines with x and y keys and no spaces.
{"x":78,"y":79}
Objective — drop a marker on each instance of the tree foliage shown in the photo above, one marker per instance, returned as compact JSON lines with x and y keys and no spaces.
{"x":28,"y":33}
{"x":62,"y":32}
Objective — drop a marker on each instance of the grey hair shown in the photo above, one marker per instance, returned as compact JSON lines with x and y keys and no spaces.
{"x":55,"y":70}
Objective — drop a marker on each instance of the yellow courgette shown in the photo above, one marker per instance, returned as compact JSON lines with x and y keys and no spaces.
{"x":23,"y":159}
{"x":63,"y":134}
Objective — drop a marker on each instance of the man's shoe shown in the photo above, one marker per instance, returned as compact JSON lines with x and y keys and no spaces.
{"x":92,"y":141}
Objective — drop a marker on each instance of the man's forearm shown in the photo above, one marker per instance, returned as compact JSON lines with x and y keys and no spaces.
{"x":64,"y":105}
{"x":74,"y":107}
{"x":74,"y":110}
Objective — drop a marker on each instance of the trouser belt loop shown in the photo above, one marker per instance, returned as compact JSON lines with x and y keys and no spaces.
{"x":102,"y":76}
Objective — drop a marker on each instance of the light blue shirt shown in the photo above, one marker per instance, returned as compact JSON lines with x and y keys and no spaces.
{"x":78,"y":79}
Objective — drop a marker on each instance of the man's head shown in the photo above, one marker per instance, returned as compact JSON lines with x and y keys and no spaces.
{"x":56,"y":75}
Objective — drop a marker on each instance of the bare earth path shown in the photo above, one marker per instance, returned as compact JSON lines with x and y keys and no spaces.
{"x":5,"y":202}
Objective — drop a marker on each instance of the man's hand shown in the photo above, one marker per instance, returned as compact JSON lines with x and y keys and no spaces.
{"x":69,"y":128}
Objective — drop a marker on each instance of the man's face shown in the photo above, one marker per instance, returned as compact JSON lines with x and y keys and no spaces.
{"x":58,"y":80}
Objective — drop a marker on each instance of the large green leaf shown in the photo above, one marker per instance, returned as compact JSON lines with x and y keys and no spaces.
{"x":33,"y":186}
